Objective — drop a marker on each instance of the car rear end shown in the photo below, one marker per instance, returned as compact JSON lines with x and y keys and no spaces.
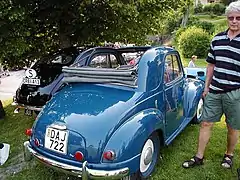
{"x":73,"y":129}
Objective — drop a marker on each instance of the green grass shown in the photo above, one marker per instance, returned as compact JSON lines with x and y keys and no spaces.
{"x":205,"y":17}
{"x":184,"y":147}
{"x":198,"y":63}
{"x":168,"y":168}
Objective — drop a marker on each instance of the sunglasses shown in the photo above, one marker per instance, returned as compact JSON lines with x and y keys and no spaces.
{"x":231,"y":18}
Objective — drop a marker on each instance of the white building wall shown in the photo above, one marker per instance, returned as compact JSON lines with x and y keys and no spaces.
{"x":204,"y":2}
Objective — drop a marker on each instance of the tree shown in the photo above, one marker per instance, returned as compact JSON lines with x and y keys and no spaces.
{"x":186,"y":11}
{"x":40,"y":26}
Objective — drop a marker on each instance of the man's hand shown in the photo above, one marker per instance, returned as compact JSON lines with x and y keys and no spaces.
{"x":206,"y":90}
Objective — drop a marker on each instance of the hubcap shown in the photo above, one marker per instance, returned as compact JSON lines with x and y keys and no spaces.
{"x":146,"y":155}
{"x":200,"y":109}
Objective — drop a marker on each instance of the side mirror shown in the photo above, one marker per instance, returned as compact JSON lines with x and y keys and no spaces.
{"x":200,"y":73}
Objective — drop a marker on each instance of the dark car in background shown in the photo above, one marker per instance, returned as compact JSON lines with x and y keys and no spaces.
{"x":41,"y":79}
{"x":44,"y":78}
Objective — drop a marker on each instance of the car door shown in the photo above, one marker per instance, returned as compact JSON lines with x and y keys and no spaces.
{"x":174,"y":81}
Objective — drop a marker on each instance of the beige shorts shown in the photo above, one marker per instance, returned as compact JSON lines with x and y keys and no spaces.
{"x":215,"y":105}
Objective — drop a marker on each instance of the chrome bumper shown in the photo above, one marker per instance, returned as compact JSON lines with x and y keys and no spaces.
{"x":21,"y":106}
{"x":83,"y":172}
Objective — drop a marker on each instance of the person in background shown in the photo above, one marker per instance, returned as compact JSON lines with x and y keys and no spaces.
{"x":222,"y":89}
{"x":192,"y":62}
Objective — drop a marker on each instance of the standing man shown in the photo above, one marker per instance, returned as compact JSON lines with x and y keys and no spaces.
{"x":222,"y":88}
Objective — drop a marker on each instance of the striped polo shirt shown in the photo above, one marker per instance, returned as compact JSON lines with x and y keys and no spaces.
{"x":225,"y":54}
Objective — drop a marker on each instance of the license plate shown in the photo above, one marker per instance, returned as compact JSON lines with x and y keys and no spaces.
{"x":31,"y":81}
{"x":56,"y":140}
{"x":28,"y":112}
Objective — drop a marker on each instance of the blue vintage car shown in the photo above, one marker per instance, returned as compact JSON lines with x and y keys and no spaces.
{"x":111,"y":123}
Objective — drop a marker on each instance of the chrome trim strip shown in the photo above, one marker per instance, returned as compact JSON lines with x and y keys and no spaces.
{"x":83,"y":172}
{"x":34,"y":108}
{"x":58,"y":126}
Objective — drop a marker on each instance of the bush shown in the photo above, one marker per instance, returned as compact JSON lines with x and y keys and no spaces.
{"x":207,"y":26}
{"x":177,"y":34}
{"x":218,"y":8}
{"x":207,"y":8}
{"x":195,"y":41}
{"x":214,"y":8}
{"x":198,"y":8}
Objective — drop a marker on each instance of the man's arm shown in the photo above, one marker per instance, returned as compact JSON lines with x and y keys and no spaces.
{"x":209,"y":75}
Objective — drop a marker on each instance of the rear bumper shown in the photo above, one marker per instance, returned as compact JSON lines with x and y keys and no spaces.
{"x":23,"y":106}
{"x":83,"y":172}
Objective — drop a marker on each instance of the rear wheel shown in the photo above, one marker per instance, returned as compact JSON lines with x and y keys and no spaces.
{"x":196,"y":119}
{"x":148,"y":159}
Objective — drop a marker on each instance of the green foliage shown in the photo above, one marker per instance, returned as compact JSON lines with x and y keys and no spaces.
{"x":195,"y":41}
{"x":227,"y":2}
{"x":177,"y":34}
{"x":172,"y":21}
{"x":207,"y":26}
{"x":218,"y":8}
{"x":198,"y":8}
{"x":214,"y":8}
{"x":31,"y":28}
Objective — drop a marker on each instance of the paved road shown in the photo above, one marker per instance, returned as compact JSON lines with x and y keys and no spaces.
{"x":10,"y":84}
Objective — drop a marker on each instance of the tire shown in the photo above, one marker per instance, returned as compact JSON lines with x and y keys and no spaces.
{"x":148,"y":159}
{"x":199,"y":111}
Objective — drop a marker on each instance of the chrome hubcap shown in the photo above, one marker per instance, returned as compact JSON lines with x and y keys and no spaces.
{"x":200,"y":109}
{"x":146,"y":156}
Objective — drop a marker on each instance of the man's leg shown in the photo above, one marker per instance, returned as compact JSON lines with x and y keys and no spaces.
{"x":212,"y":112}
{"x":231,"y":108}
{"x":232,"y":139}
{"x":203,"y":139}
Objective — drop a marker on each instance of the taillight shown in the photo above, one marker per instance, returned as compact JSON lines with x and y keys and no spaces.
{"x":28,"y":132}
{"x":109,"y":155}
{"x":78,"y":156}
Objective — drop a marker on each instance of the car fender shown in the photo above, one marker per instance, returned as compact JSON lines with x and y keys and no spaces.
{"x":192,"y":95}
{"x":128,"y":139}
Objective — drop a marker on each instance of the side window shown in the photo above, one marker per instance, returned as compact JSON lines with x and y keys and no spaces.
{"x":100,"y":61}
{"x":168,"y":74}
{"x":114,"y":61}
{"x":176,"y":68}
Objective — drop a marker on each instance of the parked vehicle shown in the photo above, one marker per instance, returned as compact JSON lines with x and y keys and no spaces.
{"x":111,"y":123}
{"x":40,"y":80}
{"x":196,"y":72}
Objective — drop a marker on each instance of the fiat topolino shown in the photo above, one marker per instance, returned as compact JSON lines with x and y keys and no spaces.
{"x":111,"y":123}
